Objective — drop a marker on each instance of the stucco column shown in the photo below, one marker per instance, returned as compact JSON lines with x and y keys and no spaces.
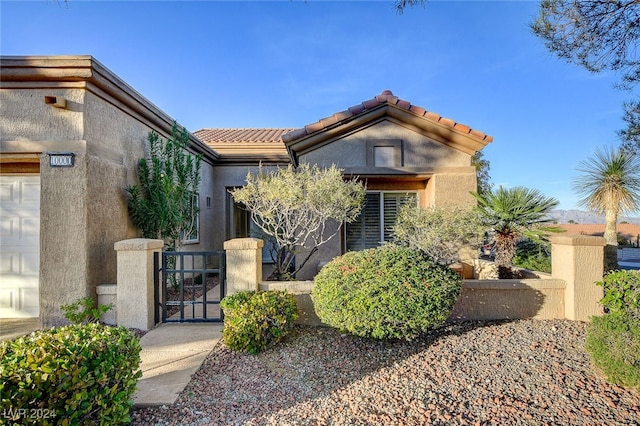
{"x":578,"y":259}
{"x":244,"y":264}
{"x":135,"y":282}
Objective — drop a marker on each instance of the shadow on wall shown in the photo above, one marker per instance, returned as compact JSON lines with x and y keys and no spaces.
{"x":509,"y":299}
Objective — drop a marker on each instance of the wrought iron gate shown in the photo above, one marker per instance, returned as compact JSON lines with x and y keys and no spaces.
{"x":189,"y":286}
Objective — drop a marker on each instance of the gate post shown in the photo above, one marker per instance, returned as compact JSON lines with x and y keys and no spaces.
{"x":135,"y":307}
{"x":579,"y":260}
{"x":244,"y":264}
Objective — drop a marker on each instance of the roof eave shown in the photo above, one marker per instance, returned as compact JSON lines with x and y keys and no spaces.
{"x":457,"y":137}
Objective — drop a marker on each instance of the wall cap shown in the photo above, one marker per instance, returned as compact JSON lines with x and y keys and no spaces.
{"x":138,"y":244}
{"x":106,"y":289}
{"x":515,"y":284}
{"x":243,"y":244}
{"x":577,"y":240}
{"x":293,"y":287}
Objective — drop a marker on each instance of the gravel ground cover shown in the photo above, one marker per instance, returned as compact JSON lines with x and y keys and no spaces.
{"x":524,"y":372}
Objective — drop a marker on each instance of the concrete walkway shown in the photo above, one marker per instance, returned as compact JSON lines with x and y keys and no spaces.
{"x":171,"y":354}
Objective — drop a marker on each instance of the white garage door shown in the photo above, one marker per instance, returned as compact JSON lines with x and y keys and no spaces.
{"x":19,"y":245}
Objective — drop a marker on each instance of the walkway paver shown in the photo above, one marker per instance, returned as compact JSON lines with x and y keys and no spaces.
{"x":171,"y":354}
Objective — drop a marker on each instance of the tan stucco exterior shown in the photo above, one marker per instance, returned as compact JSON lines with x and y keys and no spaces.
{"x":83,"y":208}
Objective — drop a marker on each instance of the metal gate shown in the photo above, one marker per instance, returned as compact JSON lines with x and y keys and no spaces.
{"x":189,"y":286}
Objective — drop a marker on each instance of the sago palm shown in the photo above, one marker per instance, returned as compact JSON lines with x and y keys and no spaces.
{"x":609,"y":186}
{"x":513,"y":213}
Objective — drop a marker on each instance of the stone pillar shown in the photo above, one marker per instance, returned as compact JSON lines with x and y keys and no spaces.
{"x":579,"y":261}
{"x":135,"y":282}
{"x":244,"y":264}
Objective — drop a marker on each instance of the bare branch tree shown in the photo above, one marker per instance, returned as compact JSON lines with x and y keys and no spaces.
{"x":300,"y":208}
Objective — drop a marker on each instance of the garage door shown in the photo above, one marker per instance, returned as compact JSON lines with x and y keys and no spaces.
{"x":19,"y":245}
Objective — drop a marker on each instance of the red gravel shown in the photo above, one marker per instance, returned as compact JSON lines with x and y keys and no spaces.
{"x":523,"y":372}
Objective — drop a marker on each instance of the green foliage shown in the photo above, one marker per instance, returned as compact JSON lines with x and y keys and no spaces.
{"x":82,"y":374}
{"x":533,"y":255}
{"x":164,"y":205}
{"x":301,"y":208}
{"x":439,"y":232}
{"x":613,"y":341}
{"x":513,"y":213}
{"x":386,"y":292}
{"x":482,"y":166}
{"x":598,"y":35}
{"x":622,"y":293}
{"x":84,"y":311}
{"x":255,"y":320}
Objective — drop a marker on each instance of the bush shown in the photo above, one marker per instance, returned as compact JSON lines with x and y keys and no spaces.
{"x":254,"y":320}
{"x":84,"y":311}
{"x":439,"y":232}
{"x":533,"y":255}
{"x":79,"y":374}
{"x":622,"y":293}
{"x":613,"y":341}
{"x":386,"y":292}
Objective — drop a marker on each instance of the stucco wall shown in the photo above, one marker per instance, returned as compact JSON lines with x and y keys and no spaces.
{"x":40,"y":122}
{"x":421,"y":152}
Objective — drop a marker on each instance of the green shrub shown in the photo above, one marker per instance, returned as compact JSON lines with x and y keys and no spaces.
{"x":84,"y":311}
{"x":386,"y":292}
{"x":622,"y":293}
{"x":439,"y":232}
{"x":255,"y":320}
{"x":533,"y":255}
{"x":613,"y":341}
{"x":83,"y":374}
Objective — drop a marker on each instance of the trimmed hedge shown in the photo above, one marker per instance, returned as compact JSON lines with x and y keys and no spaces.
{"x":256,"y":319}
{"x":83,"y":374}
{"x":613,"y":340}
{"x":386,"y":292}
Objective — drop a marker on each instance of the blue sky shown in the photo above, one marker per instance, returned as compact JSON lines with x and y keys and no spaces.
{"x":290,"y":63}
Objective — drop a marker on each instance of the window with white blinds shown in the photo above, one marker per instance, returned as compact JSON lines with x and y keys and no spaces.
{"x":374,"y":225}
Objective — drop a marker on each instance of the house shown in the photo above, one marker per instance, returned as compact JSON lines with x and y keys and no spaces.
{"x":71,"y":135}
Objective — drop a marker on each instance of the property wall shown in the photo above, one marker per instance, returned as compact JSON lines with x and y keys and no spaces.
{"x":563,"y":295}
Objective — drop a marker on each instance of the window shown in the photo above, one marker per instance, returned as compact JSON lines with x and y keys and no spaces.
{"x":191,"y":235}
{"x":374,"y":225}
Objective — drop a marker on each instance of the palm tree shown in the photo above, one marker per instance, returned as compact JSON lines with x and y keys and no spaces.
{"x":610,"y":186}
{"x":513,"y":213}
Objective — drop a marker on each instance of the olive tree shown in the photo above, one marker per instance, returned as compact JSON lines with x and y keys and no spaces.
{"x":300,"y":209}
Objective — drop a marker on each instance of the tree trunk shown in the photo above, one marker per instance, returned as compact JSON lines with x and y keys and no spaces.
{"x":611,"y":238}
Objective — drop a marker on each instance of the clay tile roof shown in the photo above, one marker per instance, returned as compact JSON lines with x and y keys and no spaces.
{"x":388,"y":98}
{"x":239,"y":136}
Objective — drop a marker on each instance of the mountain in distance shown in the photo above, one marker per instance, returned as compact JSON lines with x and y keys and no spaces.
{"x":579,"y":216}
